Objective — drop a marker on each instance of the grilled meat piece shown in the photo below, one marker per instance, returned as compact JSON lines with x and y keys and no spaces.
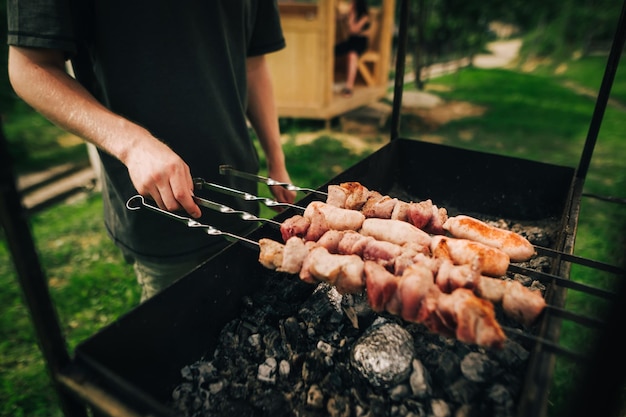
{"x":294,"y":226}
{"x":428,"y":217}
{"x":474,"y":318}
{"x":345,"y":272}
{"x":414,"y":296}
{"x":353,"y":195}
{"x":516,"y":246}
{"x":417,"y":299}
{"x":518,"y":302}
{"x":493,"y":262}
{"x":394,"y":231}
{"x":335,"y":217}
{"x":349,"y":195}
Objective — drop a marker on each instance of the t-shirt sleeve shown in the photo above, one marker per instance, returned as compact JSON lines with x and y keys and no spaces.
{"x":267,"y":35}
{"x":40,"y":24}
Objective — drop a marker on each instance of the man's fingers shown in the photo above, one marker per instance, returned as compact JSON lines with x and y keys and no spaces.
{"x":155,"y":195}
{"x":183,"y":193}
{"x":282,"y":194}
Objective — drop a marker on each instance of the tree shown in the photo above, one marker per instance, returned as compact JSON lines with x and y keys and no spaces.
{"x":441,"y":30}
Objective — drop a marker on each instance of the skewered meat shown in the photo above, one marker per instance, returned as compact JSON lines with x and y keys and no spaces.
{"x":294,"y":253}
{"x":271,"y":254}
{"x":401,"y":211}
{"x":450,"y":277}
{"x":381,"y":286}
{"x":394,"y":231}
{"x":336,"y":217}
{"x":419,"y":294}
{"x":516,"y":246}
{"x":379,"y":206}
{"x":492,"y":261}
{"x":294,"y":226}
{"x":355,"y":196}
{"x":349,"y":242}
{"x":348,"y":195}
{"x":414,"y":296}
{"x":313,"y":263}
{"x":318,"y":218}
{"x":345,"y":272}
{"x":430,"y":218}
{"x":427,"y":216}
{"x":518,"y":302}
{"x":475,"y":318}
{"x":455,"y":263}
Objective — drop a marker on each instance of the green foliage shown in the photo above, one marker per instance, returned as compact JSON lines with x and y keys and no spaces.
{"x":563,"y":29}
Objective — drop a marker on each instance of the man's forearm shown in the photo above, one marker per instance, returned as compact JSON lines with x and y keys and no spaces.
{"x":40,"y":79}
{"x":262,"y":111}
{"x":264,"y":119}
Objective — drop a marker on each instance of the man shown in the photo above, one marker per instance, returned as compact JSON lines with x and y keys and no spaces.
{"x":164,"y":89}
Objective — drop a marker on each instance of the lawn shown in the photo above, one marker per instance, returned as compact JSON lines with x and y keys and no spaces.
{"x":536,"y":115}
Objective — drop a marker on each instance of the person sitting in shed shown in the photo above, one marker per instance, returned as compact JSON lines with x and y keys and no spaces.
{"x":355,"y":44}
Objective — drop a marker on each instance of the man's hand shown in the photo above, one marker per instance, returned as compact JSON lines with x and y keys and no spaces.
{"x":159,"y":173}
{"x":280,"y":193}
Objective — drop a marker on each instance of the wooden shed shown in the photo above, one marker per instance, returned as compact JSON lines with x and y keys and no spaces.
{"x":308,"y":77}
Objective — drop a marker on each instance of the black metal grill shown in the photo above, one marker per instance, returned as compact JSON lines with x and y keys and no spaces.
{"x":182,"y":323}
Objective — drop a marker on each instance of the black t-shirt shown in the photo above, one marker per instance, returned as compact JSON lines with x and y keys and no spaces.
{"x":178,"y":68}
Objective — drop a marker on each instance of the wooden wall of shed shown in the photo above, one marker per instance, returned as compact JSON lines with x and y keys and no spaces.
{"x":304,"y":73}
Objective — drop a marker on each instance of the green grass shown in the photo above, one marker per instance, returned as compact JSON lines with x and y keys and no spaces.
{"x":89,"y":284}
{"x":35,"y":143}
{"x":534,"y":116}
{"x":528,"y":115}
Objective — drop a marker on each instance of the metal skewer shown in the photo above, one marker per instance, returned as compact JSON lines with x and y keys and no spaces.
{"x":244,"y":215}
{"x":581,"y":261}
{"x":200,"y":183}
{"x":562,"y":282}
{"x":137,"y":202}
{"x":547,"y":345}
{"x":229,"y":170}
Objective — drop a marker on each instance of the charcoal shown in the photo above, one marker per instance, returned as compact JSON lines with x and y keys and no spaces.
{"x":338,"y":406}
{"x":399,"y":392}
{"x":462,"y":391}
{"x":478,"y":367}
{"x":501,"y":401}
{"x":420,"y":380}
{"x":315,"y":397}
{"x":446,"y":365}
{"x":292,"y":353}
{"x":439,"y":408}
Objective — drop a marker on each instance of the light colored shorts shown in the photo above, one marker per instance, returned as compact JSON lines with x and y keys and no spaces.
{"x":154,"y":276}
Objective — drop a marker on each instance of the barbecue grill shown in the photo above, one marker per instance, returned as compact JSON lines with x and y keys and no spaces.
{"x":131,"y":367}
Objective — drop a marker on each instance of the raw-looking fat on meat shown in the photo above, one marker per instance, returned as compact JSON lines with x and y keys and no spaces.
{"x":428,"y":290}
